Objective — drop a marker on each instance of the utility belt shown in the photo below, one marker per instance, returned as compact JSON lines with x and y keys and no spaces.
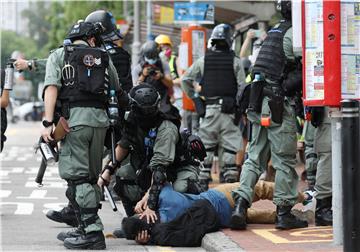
{"x":228,"y":104}
{"x":63,"y":106}
{"x":260,"y":89}
{"x":75,"y":182}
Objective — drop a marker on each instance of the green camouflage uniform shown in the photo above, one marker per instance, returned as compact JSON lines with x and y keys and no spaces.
{"x":163,"y":155}
{"x":311,"y":158}
{"x":216,"y":128}
{"x":276,"y":141}
{"x":80,"y":155}
{"x":322,"y":146}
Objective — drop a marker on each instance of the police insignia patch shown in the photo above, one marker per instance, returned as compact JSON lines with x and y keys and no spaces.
{"x":97,"y":61}
{"x":88,"y":60}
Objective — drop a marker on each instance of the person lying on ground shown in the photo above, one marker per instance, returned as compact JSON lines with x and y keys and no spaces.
{"x":179,"y":215}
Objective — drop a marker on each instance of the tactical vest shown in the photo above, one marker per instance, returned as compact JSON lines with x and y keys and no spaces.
{"x":173,"y":68}
{"x":143,"y":144}
{"x":84,"y":77}
{"x":219,"y":77}
{"x":271,"y":60}
{"x":122,"y":62}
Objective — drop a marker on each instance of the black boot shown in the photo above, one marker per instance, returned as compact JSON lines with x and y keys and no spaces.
{"x":70,"y":234}
{"x":238,"y":217}
{"x":323,"y":212}
{"x":66,"y":215}
{"x":93,"y":240}
{"x":286,"y":220}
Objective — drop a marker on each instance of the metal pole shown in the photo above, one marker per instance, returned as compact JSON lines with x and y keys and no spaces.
{"x":148,"y":20}
{"x":125,"y":10}
{"x":335,"y":116}
{"x":136,"y":43}
{"x":351,"y":174}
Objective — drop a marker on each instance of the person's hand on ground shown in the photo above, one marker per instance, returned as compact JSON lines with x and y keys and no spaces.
{"x":143,"y":237}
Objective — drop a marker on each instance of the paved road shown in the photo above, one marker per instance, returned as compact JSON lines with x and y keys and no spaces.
{"x":23,"y":204}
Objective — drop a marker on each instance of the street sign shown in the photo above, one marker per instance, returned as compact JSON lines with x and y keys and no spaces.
{"x":321,"y":54}
{"x":196,"y":12}
{"x":331,"y":54}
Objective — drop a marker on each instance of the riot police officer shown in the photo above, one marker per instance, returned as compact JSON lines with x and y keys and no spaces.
{"x":112,"y":39}
{"x":323,"y":181}
{"x":220,"y":73}
{"x":157,"y":155}
{"x":273,"y":127}
{"x":80,"y":75}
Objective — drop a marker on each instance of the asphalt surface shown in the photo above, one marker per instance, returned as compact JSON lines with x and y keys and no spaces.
{"x":24,"y":226}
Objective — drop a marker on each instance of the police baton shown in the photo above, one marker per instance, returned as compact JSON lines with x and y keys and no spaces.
{"x":110,"y":198}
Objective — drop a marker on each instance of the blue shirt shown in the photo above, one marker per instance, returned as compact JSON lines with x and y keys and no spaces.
{"x":173,"y":204}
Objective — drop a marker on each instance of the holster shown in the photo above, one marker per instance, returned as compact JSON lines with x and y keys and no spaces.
{"x":256,"y":96}
{"x":276,"y":105}
{"x":228,"y":105}
{"x":199,"y":106}
{"x":243,"y":97}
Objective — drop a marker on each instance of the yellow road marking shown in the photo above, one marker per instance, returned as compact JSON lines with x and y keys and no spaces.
{"x":306,"y":233}
{"x":270,"y":234}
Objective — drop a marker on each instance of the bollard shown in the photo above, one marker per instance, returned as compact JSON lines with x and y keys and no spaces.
{"x":351,"y":174}
{"x":337,"y":206}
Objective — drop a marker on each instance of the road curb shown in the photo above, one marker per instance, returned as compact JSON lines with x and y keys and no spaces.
{"x":218,"y":241}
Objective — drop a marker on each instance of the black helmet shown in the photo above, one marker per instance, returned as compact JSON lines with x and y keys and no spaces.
{"x":107,"y":20}
{"x":85,"y":30}
{"x":220,"y":34}
{"x":150,"y":50}
{"x":284,"y":6}
{"x":144,"y":100}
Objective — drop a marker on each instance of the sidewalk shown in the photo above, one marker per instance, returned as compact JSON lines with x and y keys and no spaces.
{"x":264,"y":237}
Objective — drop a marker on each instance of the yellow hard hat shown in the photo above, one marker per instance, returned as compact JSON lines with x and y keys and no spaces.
{"x":163,"y":39}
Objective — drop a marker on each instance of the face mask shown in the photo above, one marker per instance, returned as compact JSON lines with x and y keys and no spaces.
{"x":168,"y":52}
{"x":150,"y":61}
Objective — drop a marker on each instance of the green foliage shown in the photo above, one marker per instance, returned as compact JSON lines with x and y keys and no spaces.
{"x":38,"y":27}
{"x":10,"y":41}
{"x":64,"y":14}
